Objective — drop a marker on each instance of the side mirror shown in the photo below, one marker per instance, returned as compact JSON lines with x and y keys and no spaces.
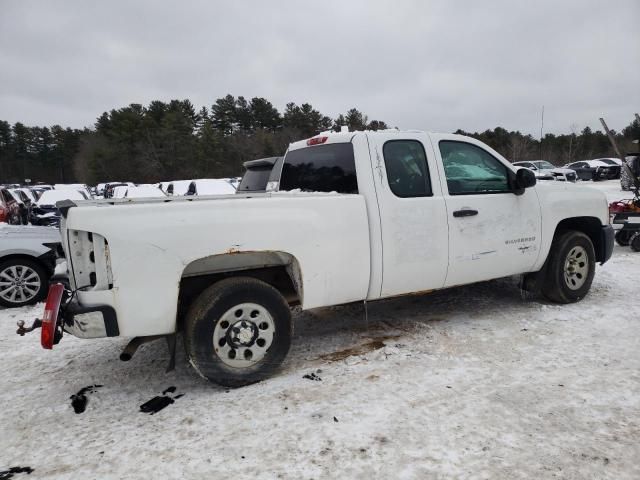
{"x":525,"y":178}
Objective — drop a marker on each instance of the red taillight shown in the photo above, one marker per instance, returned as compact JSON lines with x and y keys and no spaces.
{"x":3,"y":214}
{"x":50,"y":317}
{"x":316,"y":140}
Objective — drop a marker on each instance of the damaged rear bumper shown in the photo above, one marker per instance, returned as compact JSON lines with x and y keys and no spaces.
{"x":89,"y":322}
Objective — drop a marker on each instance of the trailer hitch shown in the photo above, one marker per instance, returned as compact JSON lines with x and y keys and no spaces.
{"x":37,"y":323}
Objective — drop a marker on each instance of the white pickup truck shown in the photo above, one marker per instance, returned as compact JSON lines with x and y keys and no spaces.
{"x":358,"y":217}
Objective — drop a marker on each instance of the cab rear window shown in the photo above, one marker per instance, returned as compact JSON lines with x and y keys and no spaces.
{"x":322,"y":168}
{"x":255,"y":179}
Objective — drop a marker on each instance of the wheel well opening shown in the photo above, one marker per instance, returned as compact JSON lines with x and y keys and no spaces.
{"x":591,"y":227}
{"x":280,"y":270}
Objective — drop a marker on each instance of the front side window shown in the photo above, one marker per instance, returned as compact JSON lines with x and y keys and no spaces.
{"x":407,"y":171}
{"x":471,"y":170}
{"x":321,"y":168}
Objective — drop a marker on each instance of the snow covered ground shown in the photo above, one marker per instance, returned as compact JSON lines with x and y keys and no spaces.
{"x":474,"y":382}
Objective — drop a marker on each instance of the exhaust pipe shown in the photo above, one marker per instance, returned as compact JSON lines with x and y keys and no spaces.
{"x":133,"y":345}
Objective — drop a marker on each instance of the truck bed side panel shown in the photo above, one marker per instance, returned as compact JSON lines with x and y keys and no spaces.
{"x":150,"y":246}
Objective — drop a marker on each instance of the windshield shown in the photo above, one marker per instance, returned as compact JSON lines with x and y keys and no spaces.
{"x":608,"y":161}
{"x":542,"y":164}
{"x":323,"y":168}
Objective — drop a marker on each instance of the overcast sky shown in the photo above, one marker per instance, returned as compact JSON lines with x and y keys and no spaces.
{"x":435,"y":66}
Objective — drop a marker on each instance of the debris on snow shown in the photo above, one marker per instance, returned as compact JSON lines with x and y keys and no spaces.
{"x":156,"y":404}
{"x":159,"y":402}
{"x":312,"y":376}
{"x":79,"y":400}
{"x":7,"y":474}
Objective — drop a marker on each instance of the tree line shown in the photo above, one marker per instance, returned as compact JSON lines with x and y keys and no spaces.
{"x":173,"y":140}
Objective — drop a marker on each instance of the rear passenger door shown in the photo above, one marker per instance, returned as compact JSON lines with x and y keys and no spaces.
{"x":413,"y":215}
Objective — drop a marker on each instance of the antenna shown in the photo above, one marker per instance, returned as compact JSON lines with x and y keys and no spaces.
{"x":541,"y":128}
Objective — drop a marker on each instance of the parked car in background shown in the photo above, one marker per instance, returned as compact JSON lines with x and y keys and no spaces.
{"x":144,"y":191}
{"x":29,"y":193}
{"x":9,"y":208}
{"x":24,"y":204}
{"x":108,"y":188}
{"x":38,"y":191}
{"x":46,"y":213}
{"x":119,"y":191}
{"x":612,"y":161}
{"x":74,"y":186}
{"x":210,"y":186}
{"x":544,"y":170}
{"x":259,"y":173}
{"x":27,"y":261}
{"x":178,"y":187}
{"x":594,"y":170}
{"x":141,"y":191}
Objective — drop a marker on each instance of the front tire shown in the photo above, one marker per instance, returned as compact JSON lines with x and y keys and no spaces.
{"x":570,"y":267}
{"x":238,"y":331}
{"x":22,"y":282}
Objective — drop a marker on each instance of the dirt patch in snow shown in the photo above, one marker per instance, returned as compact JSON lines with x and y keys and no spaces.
{"x":360,"y":349}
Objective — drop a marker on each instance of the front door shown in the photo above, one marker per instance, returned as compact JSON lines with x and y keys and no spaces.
{"x":492,"y":231}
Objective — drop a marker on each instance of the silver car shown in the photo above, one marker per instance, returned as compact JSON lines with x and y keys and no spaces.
{"x":27,"y":261}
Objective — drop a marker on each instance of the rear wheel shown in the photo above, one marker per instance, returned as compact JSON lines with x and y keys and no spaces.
{"x":635,"y":242}
{"x":570,"y":267}
{"x":22,"y":282}
{"x":623,"y":237}
{"x":238,"y":331}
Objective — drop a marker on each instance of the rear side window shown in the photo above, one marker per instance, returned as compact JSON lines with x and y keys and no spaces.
{"x":407,"y":171}
{"x":322,"y":168}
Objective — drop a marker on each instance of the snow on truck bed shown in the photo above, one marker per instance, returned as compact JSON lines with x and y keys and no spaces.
{"x":471,"y":382}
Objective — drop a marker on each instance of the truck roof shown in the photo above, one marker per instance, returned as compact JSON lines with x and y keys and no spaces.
{"x":343,"y":137}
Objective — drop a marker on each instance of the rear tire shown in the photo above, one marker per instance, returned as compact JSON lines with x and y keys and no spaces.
{"x":238,"y":331}
{"x":570,"y":267}
{"x":635,"y":242}
{"x":623,"y":237}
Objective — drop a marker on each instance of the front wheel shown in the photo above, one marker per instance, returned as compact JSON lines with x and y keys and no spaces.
{"x":570,"y":267}
{"x":238,"y":331}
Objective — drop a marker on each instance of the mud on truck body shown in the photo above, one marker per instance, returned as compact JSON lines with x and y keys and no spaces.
{"x":358,"y":217}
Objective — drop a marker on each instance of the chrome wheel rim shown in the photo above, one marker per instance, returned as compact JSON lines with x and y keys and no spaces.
{"x":243,"y":335}
{"x":19,"y":284}
{"x":576,"y":268}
